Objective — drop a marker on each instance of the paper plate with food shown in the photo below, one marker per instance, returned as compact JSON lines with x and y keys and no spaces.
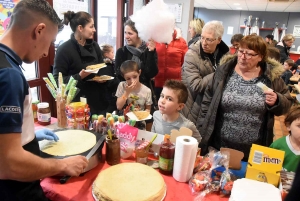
{"x":101,"y":78}
{"x":94,"y":68}
{"x":139,"y":115}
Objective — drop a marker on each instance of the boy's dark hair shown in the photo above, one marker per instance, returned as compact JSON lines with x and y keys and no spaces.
{"x":75,"y":19}
{"x":26,"y":10}
{"x":129,"y":66}
{"x":179,"y":87}
{"x":273,"y":53}
{"x":292,"y":115}
{"x":236,"y":38}
{"x":290,"y":62}
{"x":269,"y":36}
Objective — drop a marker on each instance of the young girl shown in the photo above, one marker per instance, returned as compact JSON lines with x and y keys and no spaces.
{"x":111,"y":85}
{"x":290,"y":143}
{"x":131,"y":90}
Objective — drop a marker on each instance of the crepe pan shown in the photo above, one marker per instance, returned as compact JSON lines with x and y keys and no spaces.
{"x":93,"y":161}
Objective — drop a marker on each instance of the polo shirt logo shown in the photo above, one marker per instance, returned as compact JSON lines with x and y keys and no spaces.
{"x":10,"y":109}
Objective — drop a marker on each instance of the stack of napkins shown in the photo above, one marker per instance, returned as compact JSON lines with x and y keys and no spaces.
{"x":250,"y":190}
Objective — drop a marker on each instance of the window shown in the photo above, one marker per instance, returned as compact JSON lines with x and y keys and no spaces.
{"x":107,"y":22}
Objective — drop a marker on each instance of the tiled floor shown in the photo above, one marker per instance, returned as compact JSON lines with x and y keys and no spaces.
{"x":279,"y":128}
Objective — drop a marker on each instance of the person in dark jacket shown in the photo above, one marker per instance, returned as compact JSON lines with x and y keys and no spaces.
{"x":195,"y":30}
{"x":287,"y":74}
{"x":73,"y":56}
{"x":235,"y":41}
{"x":235,"y":112}
{"x":284,"y":47}
{"x":141,"y":52}
{"x":112,"y":85}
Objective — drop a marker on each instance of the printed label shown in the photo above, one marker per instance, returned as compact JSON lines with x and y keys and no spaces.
{"x":44,"y":117}
{"x":166,"y":164}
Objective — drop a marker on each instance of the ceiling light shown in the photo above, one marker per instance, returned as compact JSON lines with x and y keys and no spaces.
{"x":239,"y":8}
{"x":236,"y":4}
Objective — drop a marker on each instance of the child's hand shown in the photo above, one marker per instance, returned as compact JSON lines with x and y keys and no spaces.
{"x":131,"y":87}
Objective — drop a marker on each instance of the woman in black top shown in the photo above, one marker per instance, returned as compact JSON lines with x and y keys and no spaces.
{"x":73,"y":56}
{"x":136,"y":49}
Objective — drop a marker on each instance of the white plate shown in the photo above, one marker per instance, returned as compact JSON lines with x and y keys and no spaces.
{"x":96,"y":199}
{"x":94,"y":70}
{"x":132,"y":116}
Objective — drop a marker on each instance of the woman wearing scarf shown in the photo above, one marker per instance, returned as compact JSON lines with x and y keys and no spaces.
{"x":141,"y":52}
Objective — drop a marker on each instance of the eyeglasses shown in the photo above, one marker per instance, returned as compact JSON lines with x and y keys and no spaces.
{"x":247,"y":55}
{"x":207,"y":40}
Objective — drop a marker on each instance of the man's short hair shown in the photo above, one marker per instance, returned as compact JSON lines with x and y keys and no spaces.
{"x":273,"y":53}
{"x":180,"y":88}
{"x":31,"y":8}
{"x":269,"y":36}
{"x":236,"y":38}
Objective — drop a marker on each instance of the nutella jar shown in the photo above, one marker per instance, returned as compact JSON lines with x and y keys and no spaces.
{"x":44,"y":114}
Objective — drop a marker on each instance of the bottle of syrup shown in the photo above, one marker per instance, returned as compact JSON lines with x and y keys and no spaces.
{"x":166,"y":156}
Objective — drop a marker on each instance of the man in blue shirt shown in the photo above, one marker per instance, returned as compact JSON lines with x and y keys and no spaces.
{"x":33,"y":27}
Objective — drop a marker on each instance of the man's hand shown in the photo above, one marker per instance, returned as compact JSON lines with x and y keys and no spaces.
{"x":45,"y":134}
{"x":75,"y":165}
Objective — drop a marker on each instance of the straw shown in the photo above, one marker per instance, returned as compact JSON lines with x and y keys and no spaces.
{"x":109,"y":134}
{"x":60,"y":80}
{"x":153,"y":138}
{"x":49,"y":83}
{"x":69,"y":84}
{"x":52,"y":80}
{"x":53,"y":92}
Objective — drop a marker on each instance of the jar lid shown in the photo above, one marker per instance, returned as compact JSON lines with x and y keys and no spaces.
{"x":43,"y":105}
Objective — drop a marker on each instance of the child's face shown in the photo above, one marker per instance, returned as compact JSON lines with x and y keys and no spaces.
{"x":168,"y":102}
{"x":131,"y":77}
{"x":110,"y":54}
{"x":286,"y":66}
{"x":294,"y":128}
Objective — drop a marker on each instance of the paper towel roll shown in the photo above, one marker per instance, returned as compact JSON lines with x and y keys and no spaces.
{"x":184,"y":159}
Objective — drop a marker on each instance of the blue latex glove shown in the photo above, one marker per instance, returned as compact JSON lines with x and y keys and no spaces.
{"x":45,"y":134}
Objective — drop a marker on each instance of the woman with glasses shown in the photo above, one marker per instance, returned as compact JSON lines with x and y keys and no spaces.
{"x":235,"y":112}
{"x":200,"y":61}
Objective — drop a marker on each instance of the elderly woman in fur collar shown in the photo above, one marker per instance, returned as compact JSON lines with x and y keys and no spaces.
{"x":235,"y":112}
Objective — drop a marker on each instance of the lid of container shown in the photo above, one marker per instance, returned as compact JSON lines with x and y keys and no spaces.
{"x":35,"y":102}
{"x":43,"y":105}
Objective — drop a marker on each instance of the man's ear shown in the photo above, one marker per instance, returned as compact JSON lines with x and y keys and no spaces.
{"x":180,"y":106}
{"x":39,"y":30}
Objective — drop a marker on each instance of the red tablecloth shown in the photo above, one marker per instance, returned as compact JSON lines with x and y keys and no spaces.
{"x":80,"y":188}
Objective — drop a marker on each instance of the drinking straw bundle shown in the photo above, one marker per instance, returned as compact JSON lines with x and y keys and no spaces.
{"x":66,"y":92}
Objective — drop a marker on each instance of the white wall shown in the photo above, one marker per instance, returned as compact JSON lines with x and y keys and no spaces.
{"x":187,"y":16}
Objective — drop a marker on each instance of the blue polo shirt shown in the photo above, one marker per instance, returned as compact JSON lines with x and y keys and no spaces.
{"x":16,"y":117}
{"x":15,"y":100}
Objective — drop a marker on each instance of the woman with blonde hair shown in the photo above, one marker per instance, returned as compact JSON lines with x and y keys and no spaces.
{"x":235,"y":112}
{"x":284,"y":47}
{"x":195,"y":29}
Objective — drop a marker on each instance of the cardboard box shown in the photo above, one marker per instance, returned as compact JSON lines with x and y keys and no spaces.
{"x":265,"y":164}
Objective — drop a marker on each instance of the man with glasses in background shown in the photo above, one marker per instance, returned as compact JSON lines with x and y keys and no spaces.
{"x":200,"y":61}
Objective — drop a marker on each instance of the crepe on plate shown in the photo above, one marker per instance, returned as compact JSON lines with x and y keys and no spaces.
{"x":102,"y":77}
{"x":71,"y":142}
{"x":141,"y":114}
{"x":96,"y":66}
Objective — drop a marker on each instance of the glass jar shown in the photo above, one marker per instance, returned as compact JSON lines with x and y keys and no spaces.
{"x":113,"y":151}
{"x":141,"y":155}
{"x":43,"y":114}
{"x":166,"y":157}
{"x":34,"y":110}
